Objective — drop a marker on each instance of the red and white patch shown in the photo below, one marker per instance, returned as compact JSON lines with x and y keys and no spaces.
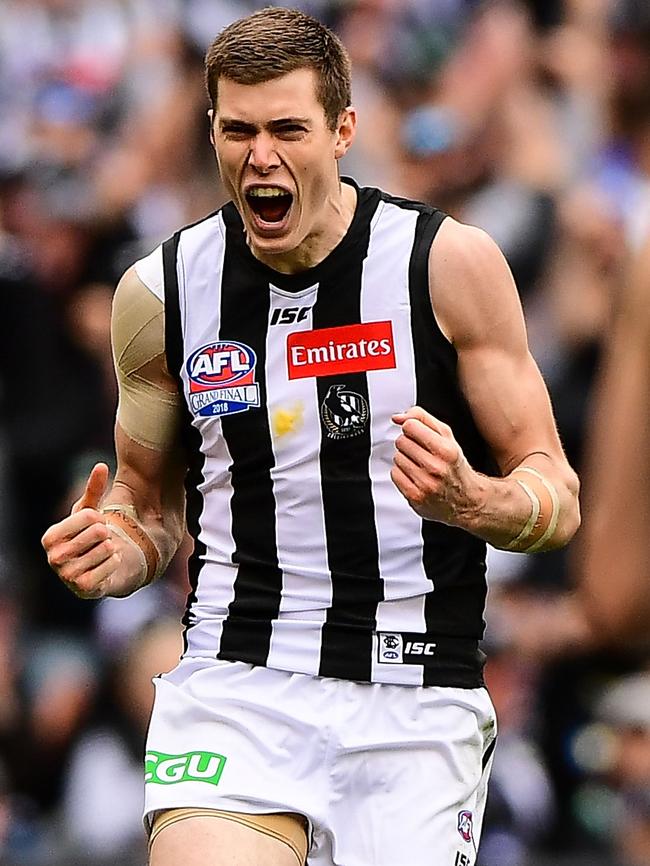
{"x":466,"y":825}
{"x":345,"y":349}
{"x":222,"y":379}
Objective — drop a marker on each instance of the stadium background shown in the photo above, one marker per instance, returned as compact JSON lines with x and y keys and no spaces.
{"x":530,"y":119}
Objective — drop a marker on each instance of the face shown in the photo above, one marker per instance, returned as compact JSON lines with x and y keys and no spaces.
{"x":278,"y":158}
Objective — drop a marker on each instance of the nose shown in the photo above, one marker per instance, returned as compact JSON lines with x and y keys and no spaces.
{"x":263,"y":156}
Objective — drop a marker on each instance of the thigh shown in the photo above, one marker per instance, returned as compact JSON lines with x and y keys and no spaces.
{"x":225,"y":736}
{"x":214,"y":841}
{"x":410,"y":779}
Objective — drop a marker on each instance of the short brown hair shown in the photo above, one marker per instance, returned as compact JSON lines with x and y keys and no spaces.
{"x":274,"y":42}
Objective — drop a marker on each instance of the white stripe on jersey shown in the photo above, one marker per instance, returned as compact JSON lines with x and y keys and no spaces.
{"x":293,"y":421}
{"x":215,"y":586}
{"x":385,"y":295}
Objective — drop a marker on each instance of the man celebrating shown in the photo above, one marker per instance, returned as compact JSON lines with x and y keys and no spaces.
{"x":342,"y":382}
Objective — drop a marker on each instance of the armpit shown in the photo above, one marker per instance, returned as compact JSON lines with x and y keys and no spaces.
{"x":149,"y":403}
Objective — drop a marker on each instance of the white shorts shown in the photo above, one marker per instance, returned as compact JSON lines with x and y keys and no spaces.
{"x":387,"y":775}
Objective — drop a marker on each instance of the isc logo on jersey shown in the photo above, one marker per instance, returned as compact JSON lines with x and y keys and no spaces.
{"x":222,"y":379}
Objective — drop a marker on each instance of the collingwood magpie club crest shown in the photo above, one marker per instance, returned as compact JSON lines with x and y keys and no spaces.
{"x":344,"y":413}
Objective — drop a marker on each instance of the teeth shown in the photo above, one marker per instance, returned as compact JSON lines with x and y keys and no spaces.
{"x":266,"y":191}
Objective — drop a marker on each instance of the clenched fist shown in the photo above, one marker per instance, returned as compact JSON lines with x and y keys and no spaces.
{"x":430,"y":470}
{"x":82,"y":549}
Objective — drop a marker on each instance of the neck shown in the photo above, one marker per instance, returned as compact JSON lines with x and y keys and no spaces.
{"x":338,"y":211}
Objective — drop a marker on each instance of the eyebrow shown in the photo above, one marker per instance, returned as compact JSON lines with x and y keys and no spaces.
{"x":272,"y":124}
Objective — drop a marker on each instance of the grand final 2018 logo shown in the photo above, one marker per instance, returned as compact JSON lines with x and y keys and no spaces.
{"x":222,"y":379}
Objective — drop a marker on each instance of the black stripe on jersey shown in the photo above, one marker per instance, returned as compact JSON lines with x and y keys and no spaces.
{"x":246,"y":634}
{"x":453,"y":559}
{"x":351,"y":533}
{"x":190,"y":436}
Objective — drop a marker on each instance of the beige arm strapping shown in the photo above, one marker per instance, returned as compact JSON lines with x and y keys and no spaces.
{"x":147,"y":411}
{"x":545,"y":513}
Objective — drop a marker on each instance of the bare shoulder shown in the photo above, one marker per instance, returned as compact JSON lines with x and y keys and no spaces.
{"x":472,"y":289}
{"x":461,"y":246}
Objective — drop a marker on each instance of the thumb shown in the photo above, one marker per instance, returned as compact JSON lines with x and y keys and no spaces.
{"x":95,"y":488}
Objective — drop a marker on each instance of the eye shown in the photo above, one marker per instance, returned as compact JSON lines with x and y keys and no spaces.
{"x":236,"y":133}
{"x":291,"y":131}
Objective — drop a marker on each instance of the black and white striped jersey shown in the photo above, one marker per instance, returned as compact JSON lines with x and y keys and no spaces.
{"x":307,"y":558}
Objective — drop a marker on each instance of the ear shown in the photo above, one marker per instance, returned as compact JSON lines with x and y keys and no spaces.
{"x":211,"y":119}
{"x":345,"y":132}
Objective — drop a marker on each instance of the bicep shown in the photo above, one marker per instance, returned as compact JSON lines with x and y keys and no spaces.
{"x":509,"y":402}
{"x":477,"y":305}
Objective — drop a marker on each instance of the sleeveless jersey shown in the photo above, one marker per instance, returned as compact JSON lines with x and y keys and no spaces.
{"x":306,"y":556}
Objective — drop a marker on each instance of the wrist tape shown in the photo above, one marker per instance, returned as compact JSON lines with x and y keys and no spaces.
{"x":545,"y":512}
{"x":123,"y":519}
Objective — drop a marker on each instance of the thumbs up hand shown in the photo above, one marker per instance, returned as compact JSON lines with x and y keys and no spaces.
{"x":95,"y":489}
{"x":81,"y":548}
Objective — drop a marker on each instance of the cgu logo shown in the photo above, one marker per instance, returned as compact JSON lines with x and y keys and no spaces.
{"x":164,"y":769}
{"x":219,"y":364}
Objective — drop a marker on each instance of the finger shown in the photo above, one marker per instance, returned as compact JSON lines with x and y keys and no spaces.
{"x":417,"y":413}
{"x":431,"y":440}
{"x":86,"y":540}
{"x":419,"y":480}
{"x":74,"y":568}
{"x":412,"y":412}
{"x":95,"y":488}
{"x":71,"y":526}
{"x":404,"y":484}
{"x":431,"y":451}
{"x":95,"y":589}
{"x":93,"y":583}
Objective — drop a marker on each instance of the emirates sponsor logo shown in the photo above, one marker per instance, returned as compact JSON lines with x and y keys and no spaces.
{"x":346,"y":349}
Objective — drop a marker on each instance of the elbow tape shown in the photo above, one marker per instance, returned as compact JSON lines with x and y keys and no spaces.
{"x":545,"y":513}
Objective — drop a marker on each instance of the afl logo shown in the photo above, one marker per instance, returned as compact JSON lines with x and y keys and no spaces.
{"x":465,"y":825}
{"x":219,"y":364}
{"x":222,"y":379}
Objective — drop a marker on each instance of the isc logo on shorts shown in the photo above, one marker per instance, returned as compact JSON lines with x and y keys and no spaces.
{"x":164,"y":769}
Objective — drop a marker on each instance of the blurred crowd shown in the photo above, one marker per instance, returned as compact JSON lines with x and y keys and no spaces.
{"x":529,"y":118}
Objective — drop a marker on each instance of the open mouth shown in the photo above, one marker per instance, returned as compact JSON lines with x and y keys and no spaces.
{"x":270,"y":204}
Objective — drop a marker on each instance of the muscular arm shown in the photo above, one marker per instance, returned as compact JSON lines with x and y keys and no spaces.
{"x":614,"y":571}
{"x":113,"y":543}
{"x":477,"y":307}
{"x":150,"y":469}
